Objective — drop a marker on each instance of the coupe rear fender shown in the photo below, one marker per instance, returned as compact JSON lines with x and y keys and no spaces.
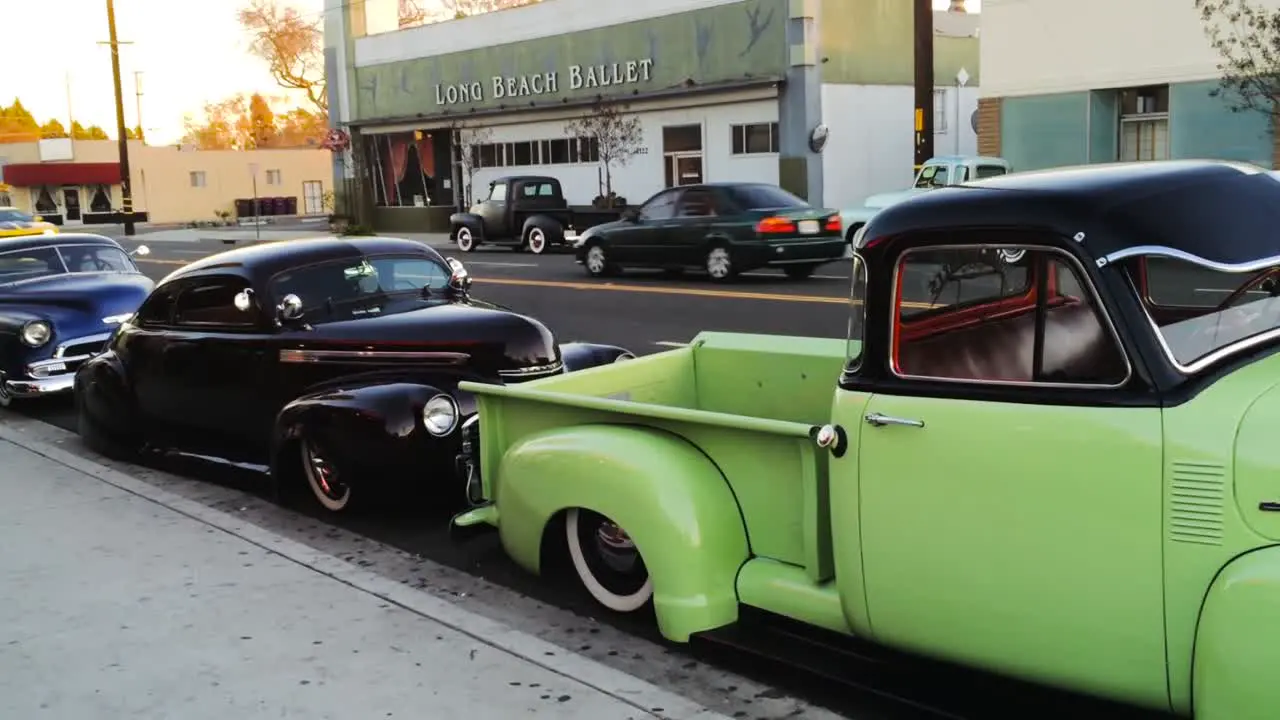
{"x":369,"y":426}
{"x":468,"y":220}
{"x":580,"y":356}
{"x":664,"y":491}
{"x":1236,"y":653}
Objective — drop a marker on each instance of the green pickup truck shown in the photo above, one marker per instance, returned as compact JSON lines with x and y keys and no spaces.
{"x":1046,"y":448}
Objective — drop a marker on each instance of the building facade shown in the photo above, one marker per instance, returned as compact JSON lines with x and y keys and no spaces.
{"x":1079,"y":82}
{"x":721,"y":89}
{"x":77,"y":182}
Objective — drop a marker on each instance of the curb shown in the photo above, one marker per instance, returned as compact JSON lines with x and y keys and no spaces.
{"x":645,"y":697}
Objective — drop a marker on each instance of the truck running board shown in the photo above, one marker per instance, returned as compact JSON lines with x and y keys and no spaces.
{"x":864,"y":680}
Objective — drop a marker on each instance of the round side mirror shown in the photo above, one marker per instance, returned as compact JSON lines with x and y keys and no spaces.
{"x":142,"y":251}
{"x":244,"y":300}
{"x":290,"y":307}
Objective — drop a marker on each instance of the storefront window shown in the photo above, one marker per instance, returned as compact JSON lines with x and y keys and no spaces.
{"x":101,"y":199}
{"x":402,"y":167}
{"x":44,"y":203}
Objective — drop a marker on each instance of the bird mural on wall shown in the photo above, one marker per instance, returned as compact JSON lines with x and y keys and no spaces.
{"x":756,"y":26}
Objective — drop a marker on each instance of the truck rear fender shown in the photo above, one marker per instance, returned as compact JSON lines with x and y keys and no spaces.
{"x":550,"y":225}
{"x":1236,"y":653}
{"x":660,"y":488}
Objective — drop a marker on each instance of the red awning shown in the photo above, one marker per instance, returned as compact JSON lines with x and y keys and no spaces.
{"x":33,"y":174}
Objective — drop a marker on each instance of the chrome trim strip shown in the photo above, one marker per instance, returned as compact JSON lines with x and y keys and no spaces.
{"x":40,"y":386}
{"x":549,"y":369}
{"x":61,"y":350}
{"x":319,"y":356}
{"x":1225,"y":351}
{"x":1087,"y":282}
{"x":1163,"y":251}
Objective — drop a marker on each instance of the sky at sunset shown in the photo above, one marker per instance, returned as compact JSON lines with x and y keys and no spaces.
{"x":190,"y":52}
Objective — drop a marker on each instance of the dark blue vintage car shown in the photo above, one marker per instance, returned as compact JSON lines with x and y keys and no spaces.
{"x":61,"y":298}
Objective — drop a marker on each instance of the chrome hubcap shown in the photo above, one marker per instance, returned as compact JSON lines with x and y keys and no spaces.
{"x":718,"y":263}
{"x":615,"y":548}
{"x":325,"y":474}
{"x":537,"y":240}
{"x":464,"y":238}
{"x":595,"y":259}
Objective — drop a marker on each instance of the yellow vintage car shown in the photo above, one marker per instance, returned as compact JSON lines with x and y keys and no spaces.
{"x":16,"y":223}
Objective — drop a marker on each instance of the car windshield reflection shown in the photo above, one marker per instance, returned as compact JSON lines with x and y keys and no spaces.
{"x":349,"y":289}
{"x":31,"y":263}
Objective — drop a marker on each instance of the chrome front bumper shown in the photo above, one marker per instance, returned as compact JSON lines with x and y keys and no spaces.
{"x":39,"y":387}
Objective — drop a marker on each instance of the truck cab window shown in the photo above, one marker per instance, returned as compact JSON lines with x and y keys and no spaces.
{"x":498,"y":193}
{"x":972,"y":314}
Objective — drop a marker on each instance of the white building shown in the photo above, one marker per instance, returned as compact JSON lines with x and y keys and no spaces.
{"x":1098,"y":81}
{"x":723,"y":90}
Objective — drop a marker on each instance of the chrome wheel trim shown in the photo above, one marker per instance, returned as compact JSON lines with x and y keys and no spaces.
{"x":718,"y":263}
{"x":595,"y":259}
{"x":321,"y":477}
{"x":618,"y":541}
{"x":537,"y":241}
{"x":465,"y":240}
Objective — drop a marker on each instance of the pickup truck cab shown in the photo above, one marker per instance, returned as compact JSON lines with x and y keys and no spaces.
{"x":941,"y":171}
{"x":528,"y":212}
{"x":1046,"y":448}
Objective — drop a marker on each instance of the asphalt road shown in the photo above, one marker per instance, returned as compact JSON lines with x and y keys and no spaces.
{"x":642,"y":312}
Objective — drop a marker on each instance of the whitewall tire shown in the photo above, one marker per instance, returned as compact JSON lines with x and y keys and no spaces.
{"x":536,"y":240}
{"x":323,"y":478}
{"x":466,"y":241}
{"x":606,"y":562}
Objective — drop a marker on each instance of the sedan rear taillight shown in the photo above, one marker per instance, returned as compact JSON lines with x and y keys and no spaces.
{"x":833,"y":224}
{"x":773,"y":225}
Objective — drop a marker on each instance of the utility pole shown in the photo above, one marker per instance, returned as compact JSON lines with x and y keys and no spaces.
{"x":137,"y":91}
{"x":126,"y":192}
{"x":924,"y":80}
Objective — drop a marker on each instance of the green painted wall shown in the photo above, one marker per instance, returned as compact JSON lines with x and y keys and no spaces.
{"x":1203,"y":126}
{"x":870,"y":42}
{"x":1104,"y":126}
{"x":1045,"y":131}
{"x":739,"y":41}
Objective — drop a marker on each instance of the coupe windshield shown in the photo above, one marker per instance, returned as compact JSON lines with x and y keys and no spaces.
{"x":8,"y":215}
{"x":347,"y":289}
{"x":765,"y":197}
{"x":1200,"y":310}
{"x":32,"y":263}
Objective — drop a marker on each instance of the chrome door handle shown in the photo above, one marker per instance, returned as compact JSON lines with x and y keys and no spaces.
{"x":879,"y":420}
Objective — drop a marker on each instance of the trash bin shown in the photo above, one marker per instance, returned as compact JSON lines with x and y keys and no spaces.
{"x":291,"y":205}
{"x":264,"y":206}
{"x":244,"y":207}
{"x":277,"y":206}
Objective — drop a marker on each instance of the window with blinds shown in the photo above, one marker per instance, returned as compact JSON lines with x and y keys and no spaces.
{"x":1144,"y":123}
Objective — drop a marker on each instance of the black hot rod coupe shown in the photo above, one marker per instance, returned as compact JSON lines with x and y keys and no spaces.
{"x":333,"y":362}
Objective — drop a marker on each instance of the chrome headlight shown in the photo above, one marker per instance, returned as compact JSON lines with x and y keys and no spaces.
{"x":440,"y":415}
{"x":36,"y":333}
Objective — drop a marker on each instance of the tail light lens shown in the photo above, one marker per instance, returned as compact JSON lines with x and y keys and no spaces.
{"x":775,"y":225}
{"x":833,"y":224}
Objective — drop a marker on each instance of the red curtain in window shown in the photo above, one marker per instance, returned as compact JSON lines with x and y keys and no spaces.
{"x":427,"y":155}
{"x":397,"y":159}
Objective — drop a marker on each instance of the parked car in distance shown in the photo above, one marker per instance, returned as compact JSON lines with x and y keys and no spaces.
{"x":16,"y":223}
{"x":528,"y":212}
{"x":332,"y":363}
{"x":723,"y":229}
{"x":937,"y":172}
{"x":1046,"y":450}
{"x":61,"y":297}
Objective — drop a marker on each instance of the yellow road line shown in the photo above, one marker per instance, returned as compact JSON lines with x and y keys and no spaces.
{"x":656,"y":290}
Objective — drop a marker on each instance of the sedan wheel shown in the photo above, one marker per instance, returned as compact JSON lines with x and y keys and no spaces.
{"x":719,"y":263}
{"x":597,"y":261}
{"x":607,"y":562}
{"x":537,"y":241}
{"x":325,"y":480}
{"x":466,"y":241}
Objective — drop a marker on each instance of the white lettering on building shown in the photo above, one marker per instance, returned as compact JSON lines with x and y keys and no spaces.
{"x":514,"y":86}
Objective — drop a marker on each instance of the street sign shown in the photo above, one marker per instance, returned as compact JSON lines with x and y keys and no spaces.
{"x":919,"y":119}
{"x":253,"y":169}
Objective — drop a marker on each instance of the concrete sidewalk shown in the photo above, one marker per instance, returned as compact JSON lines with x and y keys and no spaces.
{"x":119,"y":599}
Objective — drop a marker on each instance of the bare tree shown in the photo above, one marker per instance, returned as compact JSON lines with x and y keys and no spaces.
{"x":459,"y":9}
{"x":1246,"y":37}
{"x":618,"y":136}
{"x":412,"y":13}
{"x":468,"y":142}
{"x":291,"y":43}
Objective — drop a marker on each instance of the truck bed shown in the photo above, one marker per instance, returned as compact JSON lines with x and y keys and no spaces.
{"x":749,"y":402}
